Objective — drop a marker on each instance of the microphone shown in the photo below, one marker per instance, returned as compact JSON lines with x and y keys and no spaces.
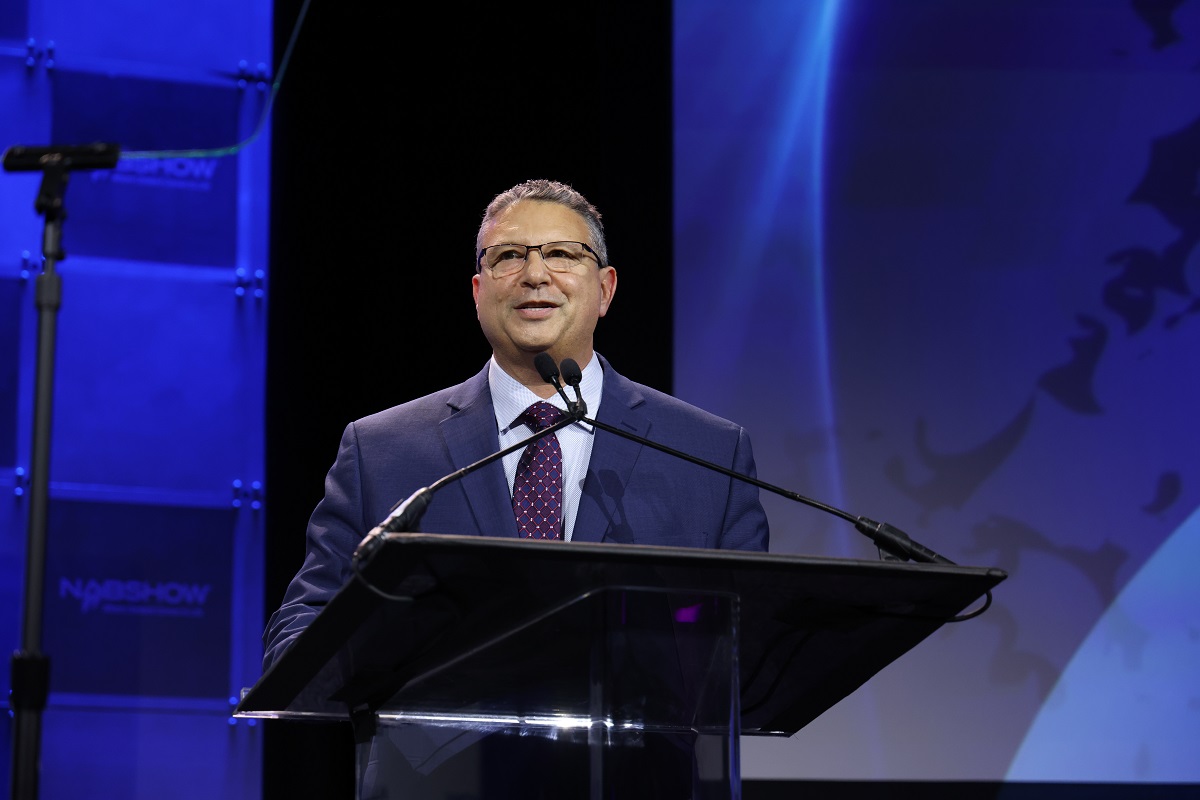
{"x":407,"y":514}
{"x":573,"y":376}
{"x":99,"y":155}
{"x":548,"y":370}
{"x":543,"y":362}
{"x":56,"y":163}
{"x":897,"y":544}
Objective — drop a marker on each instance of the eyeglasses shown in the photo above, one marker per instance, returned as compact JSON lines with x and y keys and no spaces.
{"x":509,"y":259}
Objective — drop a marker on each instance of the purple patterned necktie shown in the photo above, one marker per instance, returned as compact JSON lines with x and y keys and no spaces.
{"x":537,"y":490}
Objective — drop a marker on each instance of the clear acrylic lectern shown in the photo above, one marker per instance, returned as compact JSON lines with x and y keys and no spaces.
{"x":496,"y":668}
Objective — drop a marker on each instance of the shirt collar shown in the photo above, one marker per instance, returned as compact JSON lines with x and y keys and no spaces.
{"x":510,"y":397}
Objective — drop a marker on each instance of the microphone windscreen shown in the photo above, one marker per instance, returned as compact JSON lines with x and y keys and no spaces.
{"x":571,"y":372}
{"x":546,"y":367}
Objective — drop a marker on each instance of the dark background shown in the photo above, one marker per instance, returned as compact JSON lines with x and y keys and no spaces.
{"x":390,"y":136}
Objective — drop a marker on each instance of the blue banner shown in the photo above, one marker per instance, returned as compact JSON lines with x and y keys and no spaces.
{"x":174,"y":210}
{"x":137,"y":600}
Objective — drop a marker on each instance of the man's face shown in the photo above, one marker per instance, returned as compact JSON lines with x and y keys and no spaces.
{"x":536,"y":309}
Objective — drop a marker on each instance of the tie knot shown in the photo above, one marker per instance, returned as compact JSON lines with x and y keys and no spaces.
{"x":540,"y":415}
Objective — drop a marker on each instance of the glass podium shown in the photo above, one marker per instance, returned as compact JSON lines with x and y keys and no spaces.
{"x":476,"y":667}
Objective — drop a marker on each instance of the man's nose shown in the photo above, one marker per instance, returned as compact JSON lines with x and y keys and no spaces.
{"x":535,"y":269}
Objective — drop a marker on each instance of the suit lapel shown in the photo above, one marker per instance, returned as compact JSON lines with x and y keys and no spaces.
{"x":470,"y":435}
{"x":601,"y":508}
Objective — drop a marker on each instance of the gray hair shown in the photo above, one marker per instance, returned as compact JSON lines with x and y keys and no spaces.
{"x":548,"y":192}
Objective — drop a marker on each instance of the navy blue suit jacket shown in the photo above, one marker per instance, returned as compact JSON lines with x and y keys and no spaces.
{"x":632,"y":494}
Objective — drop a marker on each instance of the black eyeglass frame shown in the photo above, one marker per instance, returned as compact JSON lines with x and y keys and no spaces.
{"x":479,"y":265}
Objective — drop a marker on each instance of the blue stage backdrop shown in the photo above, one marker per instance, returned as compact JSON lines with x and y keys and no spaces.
{"x":152,"y":607}
{"x":940,"y":258}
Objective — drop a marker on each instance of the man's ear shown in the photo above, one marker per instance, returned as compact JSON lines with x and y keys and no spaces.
{"x":608,"y":287}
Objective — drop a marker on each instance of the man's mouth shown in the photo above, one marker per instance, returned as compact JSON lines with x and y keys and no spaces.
{"x":536,"y":308}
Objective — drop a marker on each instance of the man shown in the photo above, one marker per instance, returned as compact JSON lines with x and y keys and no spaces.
{"x":613,"y":489}
{"x":542,"y":282}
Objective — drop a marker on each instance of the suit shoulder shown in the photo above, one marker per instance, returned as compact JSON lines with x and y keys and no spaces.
{"x":655,"y":402}
{"x":427,"y":410}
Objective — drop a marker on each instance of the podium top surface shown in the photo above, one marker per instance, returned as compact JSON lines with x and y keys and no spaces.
{"x":811,"y":630}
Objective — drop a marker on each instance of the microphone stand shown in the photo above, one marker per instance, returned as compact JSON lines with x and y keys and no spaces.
{"x":30,"y":667}
{"x":893,"y":543}
{"x":408,"y":513}
{"x":889,"y":539}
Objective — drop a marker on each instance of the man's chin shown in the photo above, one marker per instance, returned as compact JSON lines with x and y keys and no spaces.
{"x":533,"y":339}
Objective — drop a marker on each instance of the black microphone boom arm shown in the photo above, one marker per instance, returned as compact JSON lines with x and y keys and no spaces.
{"x":887,"y":537}
{"x":407,"y":514}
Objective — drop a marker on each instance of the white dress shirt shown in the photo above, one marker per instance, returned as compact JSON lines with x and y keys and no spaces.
{"x":510,"y":398}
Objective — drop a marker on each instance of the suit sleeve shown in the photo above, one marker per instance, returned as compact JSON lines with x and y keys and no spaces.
{"x":335,"y":529}
{"x":745,"y":525}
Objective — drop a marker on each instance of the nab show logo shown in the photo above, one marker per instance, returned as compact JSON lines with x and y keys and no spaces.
{"x":189,"y":174}
{"x":112,"y":596}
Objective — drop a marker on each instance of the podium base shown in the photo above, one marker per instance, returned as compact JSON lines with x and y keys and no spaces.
{"x":511,"y":765}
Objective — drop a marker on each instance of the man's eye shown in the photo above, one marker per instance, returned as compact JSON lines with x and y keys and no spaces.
{"x":507,"y":253}
{"x":564,"y":252}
